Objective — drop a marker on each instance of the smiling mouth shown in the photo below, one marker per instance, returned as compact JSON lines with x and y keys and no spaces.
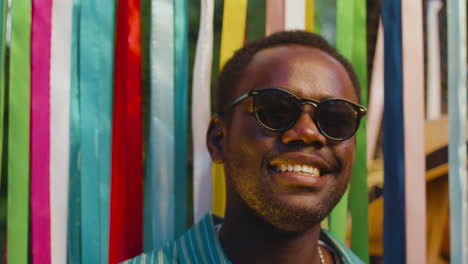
{"x":300,"y":169}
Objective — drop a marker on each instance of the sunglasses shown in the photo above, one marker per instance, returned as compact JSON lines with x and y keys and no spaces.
{"x":278,"y":110}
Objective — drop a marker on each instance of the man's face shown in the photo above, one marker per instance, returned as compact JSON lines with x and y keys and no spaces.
{"x":253,"y":156}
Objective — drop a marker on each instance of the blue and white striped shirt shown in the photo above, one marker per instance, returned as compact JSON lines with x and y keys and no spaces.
{"x":201,"y":245}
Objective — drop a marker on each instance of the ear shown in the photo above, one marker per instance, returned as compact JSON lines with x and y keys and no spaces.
{"x":215,"y":139}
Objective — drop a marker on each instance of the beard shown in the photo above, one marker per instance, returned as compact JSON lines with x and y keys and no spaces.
{"x":285,"y":216}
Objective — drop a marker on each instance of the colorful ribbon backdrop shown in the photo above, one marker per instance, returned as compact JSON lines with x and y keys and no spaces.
{"x":89,"y":85}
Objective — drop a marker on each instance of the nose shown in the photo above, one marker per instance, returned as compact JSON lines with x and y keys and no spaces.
{"x":305,"y":132}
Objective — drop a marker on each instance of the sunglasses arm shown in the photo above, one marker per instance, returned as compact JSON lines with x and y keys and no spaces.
{"x":240,"y":99}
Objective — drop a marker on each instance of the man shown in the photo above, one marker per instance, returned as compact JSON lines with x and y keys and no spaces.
{"x":287,"y":110}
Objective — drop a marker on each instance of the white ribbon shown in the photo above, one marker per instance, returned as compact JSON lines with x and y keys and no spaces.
{"x":413,"y":105}
{"x":202,"y":193}
{"x":60,"y":126}
{"x":295,"y":14}
{"x":433,"y":109}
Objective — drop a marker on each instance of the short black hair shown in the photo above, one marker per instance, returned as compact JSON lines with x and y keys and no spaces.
{"x":234,"y":68}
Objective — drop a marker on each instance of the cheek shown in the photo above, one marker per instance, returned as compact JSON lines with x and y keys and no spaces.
{"x":246,"y":142}
{"x":346,"y":153}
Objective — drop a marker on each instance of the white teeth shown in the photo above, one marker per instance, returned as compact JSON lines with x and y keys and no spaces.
{"x":299,"y":168}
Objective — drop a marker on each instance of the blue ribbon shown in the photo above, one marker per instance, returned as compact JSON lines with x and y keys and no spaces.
{"x":393,"y":143}
{"x":181,"y":104}
{"x":457,"y":85}
{"x":74,"y":190}
{"x":159,"y":185}
{"x":96,"y":52}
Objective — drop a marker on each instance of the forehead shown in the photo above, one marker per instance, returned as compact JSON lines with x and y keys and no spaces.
{"x":308,"y":72}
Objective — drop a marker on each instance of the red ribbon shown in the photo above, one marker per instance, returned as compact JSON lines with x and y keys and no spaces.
{"x":126,"y":222}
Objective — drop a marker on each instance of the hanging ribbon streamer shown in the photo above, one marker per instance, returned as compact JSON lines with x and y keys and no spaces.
{"x":232,"y":38}
{"x":434,"y":96}
{"x":145,"y":9}
{"x":161,"y":167}
{"x":60,"y":126}
{"x":3,"y":11}
{"x":394,"y":163}
{"x":326,"y":19}
{"x":457,"y":85}
{"x":126,"y":221}
{"x":351,"y":42}
{"x":275,"y":16}
{"x":181,"y":104}
{"x":96,"y":50}
{"x":376,"y":100}
{"x":310,"y":16}
{"x":201,"y":112}
{"x":413,"y":96}
{"x":256,"y":20}
{"x":345,"y":40}
{"x":74,"y":190}
{"x":294,"y":17}
{"x":18,"y":145}
{"x":40,"y":130}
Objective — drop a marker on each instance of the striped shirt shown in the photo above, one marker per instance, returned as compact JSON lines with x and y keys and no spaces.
{"x":201,"y":245}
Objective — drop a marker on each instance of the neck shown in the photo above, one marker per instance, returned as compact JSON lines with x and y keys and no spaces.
{"x":248,"y":239}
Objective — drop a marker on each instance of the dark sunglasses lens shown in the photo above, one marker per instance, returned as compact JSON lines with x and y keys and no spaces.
{"x":337,"y":119}
{"x":275,"y":109}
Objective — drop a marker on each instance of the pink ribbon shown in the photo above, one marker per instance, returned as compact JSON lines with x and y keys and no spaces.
{"x":40,"y":130}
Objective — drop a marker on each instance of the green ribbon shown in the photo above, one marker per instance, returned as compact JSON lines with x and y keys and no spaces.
{"x":3,"y":10}
{"x":18,"y":141}
{"x":256,"y":18}
{"x":74,"y":190}
{"x":352,"y":43}
{"x":180,"y":112}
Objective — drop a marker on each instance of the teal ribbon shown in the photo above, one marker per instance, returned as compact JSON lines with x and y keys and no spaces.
{"x":393,"y":143}
{"x":325,"y":22}
{"x":74,"y":188}
{"x":181,"y":103}
{"x":457,"y":85}
{"x":96,"y":51}
{"x":160,"y":167}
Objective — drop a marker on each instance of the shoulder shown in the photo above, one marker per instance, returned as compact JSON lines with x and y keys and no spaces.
{"x":198,"y":245}
{"x":347,"y":256}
